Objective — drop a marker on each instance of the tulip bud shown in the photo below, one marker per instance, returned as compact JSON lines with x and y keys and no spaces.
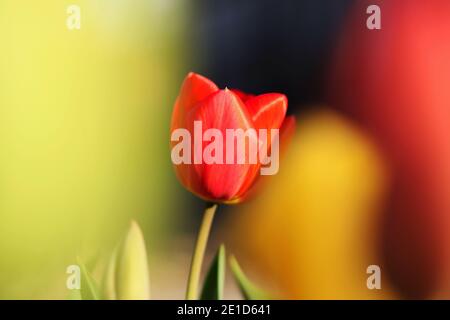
{"x":132,"y":273}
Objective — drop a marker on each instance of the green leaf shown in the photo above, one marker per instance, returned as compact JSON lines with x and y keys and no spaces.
{"x":89,"y":289}
{"x":132,"y":274}
{"x":215,"y":280}
{"x":248,"y":289}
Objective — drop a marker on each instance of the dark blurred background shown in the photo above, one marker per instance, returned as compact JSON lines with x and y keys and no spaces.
{"x":268,"y":46}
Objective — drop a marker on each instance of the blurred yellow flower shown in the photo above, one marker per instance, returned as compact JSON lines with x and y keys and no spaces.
{"x":313,"y":232}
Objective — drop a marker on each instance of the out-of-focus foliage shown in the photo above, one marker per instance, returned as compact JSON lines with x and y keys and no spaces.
{"x":248,"y":290}
{"x":89,"y":289}
{"x":214,"y":284}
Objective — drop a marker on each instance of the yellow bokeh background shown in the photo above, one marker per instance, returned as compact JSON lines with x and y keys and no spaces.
{"x":83,"y":132}
{"x":313,"y":232}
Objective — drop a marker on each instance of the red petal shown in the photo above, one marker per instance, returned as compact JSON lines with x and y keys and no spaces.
{"x":286,"y":132}
{"x":222,"y":110}
{"x":267,"y":110}
{"x":194,"y":89}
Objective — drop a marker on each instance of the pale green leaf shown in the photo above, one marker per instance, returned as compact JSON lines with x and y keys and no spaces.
{"x":248,"y":289}
{"x":89,"y":289}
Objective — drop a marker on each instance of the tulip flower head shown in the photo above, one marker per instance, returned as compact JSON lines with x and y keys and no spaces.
{"x":222,"y":140}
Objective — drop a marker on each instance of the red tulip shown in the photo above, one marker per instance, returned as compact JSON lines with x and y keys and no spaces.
{"x":201,"y":100}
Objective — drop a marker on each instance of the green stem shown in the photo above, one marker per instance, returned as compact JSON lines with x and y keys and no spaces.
{"x":199,"y":252}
